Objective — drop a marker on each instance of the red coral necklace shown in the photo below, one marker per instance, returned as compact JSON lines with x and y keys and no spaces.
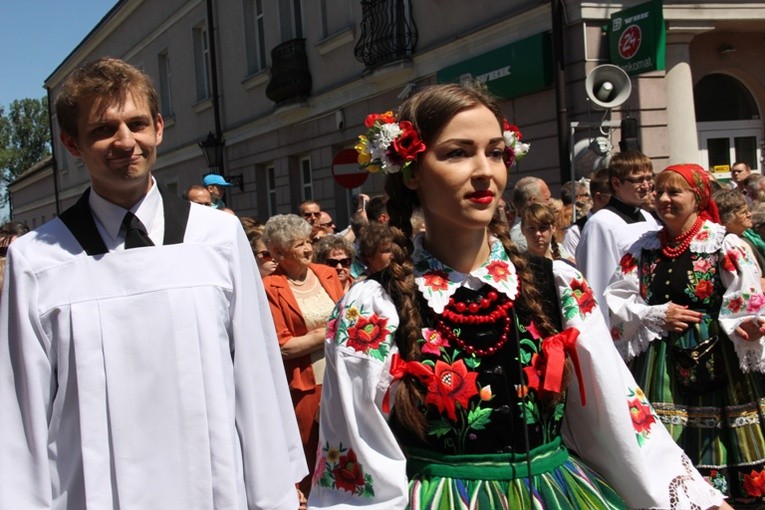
{"x":676,"y":246}
{"x":487,"y":310}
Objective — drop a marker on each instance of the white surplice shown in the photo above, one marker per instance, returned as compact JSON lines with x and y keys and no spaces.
{"x":144,"y":378}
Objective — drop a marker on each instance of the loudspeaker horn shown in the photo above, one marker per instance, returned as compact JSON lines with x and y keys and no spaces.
{"x":608,"y":86}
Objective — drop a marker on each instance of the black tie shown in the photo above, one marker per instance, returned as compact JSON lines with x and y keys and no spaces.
{"x":135,"y":232}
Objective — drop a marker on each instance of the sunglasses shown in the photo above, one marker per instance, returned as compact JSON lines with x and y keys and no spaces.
{"x":311,"y":214}
{"x":264,"y":254}
{"x":346,"y":262}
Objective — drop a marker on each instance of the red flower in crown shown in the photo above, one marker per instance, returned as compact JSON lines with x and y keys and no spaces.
{"x":385,"y":118}
{"x":367,"y":334}
{"x":451,"y":384}
{"x":348,"y":472}
{"x":408,"y":145}
{"x":506,"y":126}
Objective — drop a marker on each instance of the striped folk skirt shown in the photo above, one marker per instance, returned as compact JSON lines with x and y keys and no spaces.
{"x":556,"y":480}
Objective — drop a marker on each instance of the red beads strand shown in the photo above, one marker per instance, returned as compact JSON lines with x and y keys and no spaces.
{"x":482,"y":311}
{"x":681,"y":242}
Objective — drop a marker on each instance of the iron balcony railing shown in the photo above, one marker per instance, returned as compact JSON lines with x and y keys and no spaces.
{"x":290,"y":76}
{"x":388,"y":32}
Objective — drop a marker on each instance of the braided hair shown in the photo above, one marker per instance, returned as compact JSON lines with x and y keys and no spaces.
{"x":429,"y":110}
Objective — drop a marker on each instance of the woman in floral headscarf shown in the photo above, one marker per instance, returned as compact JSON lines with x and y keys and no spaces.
{"x":450,"y":372}
{"x":685,"y":308}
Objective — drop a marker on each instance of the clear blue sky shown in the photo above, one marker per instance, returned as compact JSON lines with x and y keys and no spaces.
{"x":36,"y":36}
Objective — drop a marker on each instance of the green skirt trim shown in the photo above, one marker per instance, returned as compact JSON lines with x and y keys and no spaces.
{"x":498,"y":466}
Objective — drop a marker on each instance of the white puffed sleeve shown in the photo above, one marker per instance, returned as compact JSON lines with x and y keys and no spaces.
{"x":616,"y":430}
{"x":742,"y":299}
{"x":634,"y":323}
{"x":359,"y":462}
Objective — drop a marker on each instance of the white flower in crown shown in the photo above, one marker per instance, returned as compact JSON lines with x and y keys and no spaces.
{"x":515,"y":149}
{"x":388,"y":146}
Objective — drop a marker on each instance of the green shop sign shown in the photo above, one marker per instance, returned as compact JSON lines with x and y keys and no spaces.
{"x":637,"y":39}
{"x":511,"y":71}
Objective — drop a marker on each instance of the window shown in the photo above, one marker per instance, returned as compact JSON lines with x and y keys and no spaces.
{"x":305,"y":178}
{"x":271,"y":186}
{"x":165,"y":91}
{"x":202,"y":62}
{"x":255,"y":35}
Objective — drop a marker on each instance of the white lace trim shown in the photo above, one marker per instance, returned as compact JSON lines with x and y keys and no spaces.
{"x":653,"y":323}
{"x":713,"y":242}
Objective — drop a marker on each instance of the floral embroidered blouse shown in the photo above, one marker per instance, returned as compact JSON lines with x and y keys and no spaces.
{"x":718,"y":275}
{"x":473,"y":403}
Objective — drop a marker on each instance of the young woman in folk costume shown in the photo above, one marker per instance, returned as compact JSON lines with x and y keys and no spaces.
{"x":685,"y":308}
{"x":466,"y":376}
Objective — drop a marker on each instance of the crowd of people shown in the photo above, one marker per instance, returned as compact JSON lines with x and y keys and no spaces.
{"x":463,"y":343}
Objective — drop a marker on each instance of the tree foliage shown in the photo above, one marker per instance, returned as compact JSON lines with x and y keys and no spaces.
{"x":24,"y":137}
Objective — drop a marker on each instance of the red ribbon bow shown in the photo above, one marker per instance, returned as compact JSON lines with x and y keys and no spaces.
{"x":400,"y":368}
{"x":552,"y":360}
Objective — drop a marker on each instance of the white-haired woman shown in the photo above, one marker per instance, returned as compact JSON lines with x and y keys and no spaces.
{"x":301,"y":295}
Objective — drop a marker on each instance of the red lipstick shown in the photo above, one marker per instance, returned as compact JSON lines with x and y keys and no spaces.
{"x":481,"y":197}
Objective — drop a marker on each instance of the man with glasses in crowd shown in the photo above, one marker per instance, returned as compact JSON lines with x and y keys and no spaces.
{"x":310,"y":211}
{"x":611,"y":231}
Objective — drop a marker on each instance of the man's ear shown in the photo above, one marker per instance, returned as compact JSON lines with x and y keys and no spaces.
{"x":70,"y":143}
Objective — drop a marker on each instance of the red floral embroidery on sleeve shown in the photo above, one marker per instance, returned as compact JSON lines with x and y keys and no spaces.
{"x":583,"y":295}
{"x":730,"y":260}
{"x":628,"y":263}
{"x":367,"y":334}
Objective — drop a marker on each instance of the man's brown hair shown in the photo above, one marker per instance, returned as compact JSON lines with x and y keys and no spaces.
{"x":109,"y":79}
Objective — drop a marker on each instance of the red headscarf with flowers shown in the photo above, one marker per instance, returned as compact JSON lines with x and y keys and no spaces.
{"x":698,"y":180}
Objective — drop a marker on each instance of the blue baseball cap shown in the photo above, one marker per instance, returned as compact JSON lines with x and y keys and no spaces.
{"x":215,"y":179}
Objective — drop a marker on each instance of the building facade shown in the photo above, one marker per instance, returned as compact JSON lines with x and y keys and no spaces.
{"x":286,"y":85}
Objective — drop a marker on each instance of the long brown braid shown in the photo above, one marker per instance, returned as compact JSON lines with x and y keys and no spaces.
{"x":429,"y":110}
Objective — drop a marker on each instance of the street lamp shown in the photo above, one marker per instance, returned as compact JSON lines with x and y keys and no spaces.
{"x":212,"y":148}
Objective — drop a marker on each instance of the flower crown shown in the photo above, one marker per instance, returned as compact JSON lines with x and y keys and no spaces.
{"x":390,"y":146}
{"x":515,"y":149}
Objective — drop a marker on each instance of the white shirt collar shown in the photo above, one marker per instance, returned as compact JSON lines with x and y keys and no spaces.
{"x":109,"y":216}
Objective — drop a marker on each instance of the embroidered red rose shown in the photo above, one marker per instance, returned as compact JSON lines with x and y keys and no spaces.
{"x":436,"y":280}
{"x":642,"y":417}
{"x":628,"y":263}
{"x":730,"y":260}
{"x":408,"y":144}
{"x":583,"y":295}
{"x":735,"y":304}
{"x":704,"y":289}
{"x":498,"y":270}
{"x":703,"y":235}
{"x":348,"y":472}
{"x":754,"y":483}
{"x":331,"y":328}
{"x":367,"y":334}
{"x":451,"y":384}
{"x":616,"y":333}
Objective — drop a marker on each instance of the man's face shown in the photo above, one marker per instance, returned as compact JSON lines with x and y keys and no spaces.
{"x":200,"y":196}
{"x":738,"y":173}
{"x":326,"y":223}
{"x":634,"y":188}
{"x":118,"y":144}
{"x":545,"y":197}
{"x":216,"y":192}
{"x":310,"y":212}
